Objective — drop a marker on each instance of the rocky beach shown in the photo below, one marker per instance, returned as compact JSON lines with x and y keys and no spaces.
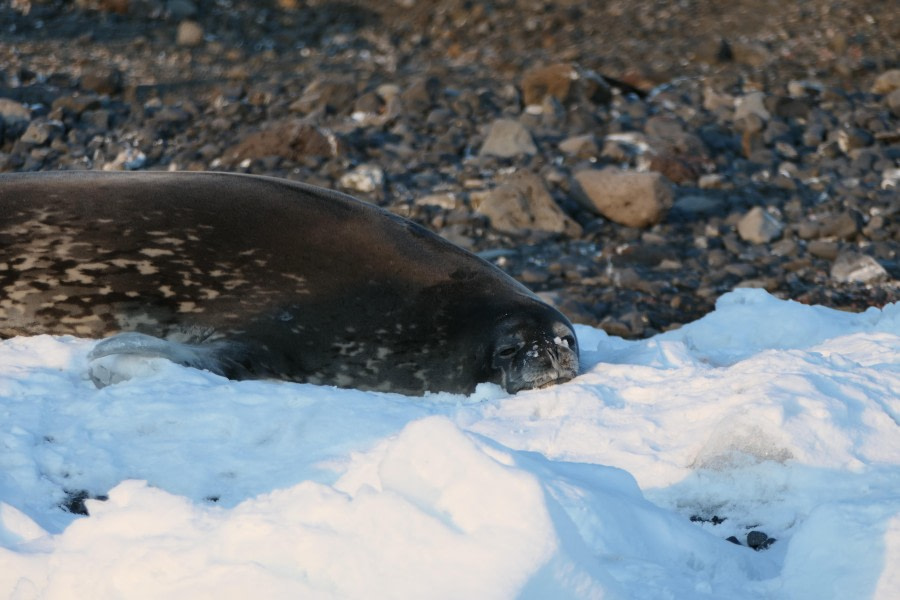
{"x":630,"y":161}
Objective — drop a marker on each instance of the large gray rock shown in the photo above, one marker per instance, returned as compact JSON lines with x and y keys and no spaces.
{"x":507,"y":138}
{"x":522,"y":204}
{"x":626,"y":197}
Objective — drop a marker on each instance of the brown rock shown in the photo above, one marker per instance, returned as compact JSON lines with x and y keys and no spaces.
{"x":189,"y":34}
{"x":522,"y":204}
{"x":625,"y":197}
{"x":551,"y":80}
{"x":887,"y":82}
{"x":291,"y":139}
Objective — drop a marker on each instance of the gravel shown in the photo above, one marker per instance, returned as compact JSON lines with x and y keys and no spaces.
{"x":761,"y":138}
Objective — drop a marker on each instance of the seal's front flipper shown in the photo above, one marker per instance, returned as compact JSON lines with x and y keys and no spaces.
{"x":123,"y":356}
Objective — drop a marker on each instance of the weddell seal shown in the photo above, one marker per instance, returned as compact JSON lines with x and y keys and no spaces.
{"x":254,"y":277}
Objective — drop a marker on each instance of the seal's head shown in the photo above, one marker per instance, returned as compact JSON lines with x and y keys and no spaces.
{"x":534,"y":349}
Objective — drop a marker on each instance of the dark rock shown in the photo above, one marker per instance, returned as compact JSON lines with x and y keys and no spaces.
{"x":759,"y":540}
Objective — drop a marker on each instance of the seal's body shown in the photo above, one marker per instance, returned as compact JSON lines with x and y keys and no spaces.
{"x":254,"y":277}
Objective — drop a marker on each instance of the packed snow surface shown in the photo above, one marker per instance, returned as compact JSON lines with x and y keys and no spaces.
{"x":768,"y":415}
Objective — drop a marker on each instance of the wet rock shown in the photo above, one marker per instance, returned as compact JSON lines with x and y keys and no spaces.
{"x":759,"y":540}
{"x":758,"y":226}
{"x":855,"y":267}
{"x":521,"y":204}
{"x":293,"y":140}
{"x":189,"y":34}
{"x":507,"y":138}
{"x":625,"y":197}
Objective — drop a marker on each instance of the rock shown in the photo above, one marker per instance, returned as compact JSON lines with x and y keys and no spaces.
{"x":696,"y":204}
{"x":842,"y":225}
{"x":887,"y":82}
{"x":129,"y":158}
{"x":759,"y":227}
{"x":330,"y":96}
{"x":507,"y":138}
{"x":823,"y":249}
{"x":582,"y":146}
{"x":447,"y":201}
{"x":759,"y":540}
{"x":76,"y":104}
{"x":181,"y":9}
{"x":751,"y":104}
{"x":364,"y":178}
{"x":625,"y":197}
{"x":522,"y":204}
{"x":292,"y":139}
{"x":552,"y":80}
{"x":893,"y":102}
{"x":12,"y":111}
{"x":855,"y":267}
{"x":41,"y":132}
{"x":853,"y":138}
{"x":103,"y":81}
{"x":189,"y":34}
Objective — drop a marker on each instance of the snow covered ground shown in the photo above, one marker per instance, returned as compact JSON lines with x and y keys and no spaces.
{"x":771,"y":415}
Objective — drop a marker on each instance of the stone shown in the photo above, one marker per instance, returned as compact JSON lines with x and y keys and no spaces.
{"x":189,"y":34}
{"x":855,"y":267}
{"x":507,"y":138}
{"x":759,"y":540}
{"x":522,"y":204}
{"x":823,"y":249}
{"x":696,"y":204}
{"x":12,"y":111}
{"x":103,"y":81}
{"x":842,"y":225}
{"x":893,"y":102}
{"x":181,"y":9}
{"x":552,"y":80}
{"x":41,"y":132}
{"x":887,"y":82}
{"x":582,"y":146}
{"x":758,"y":226}
{"x":626,"y":197}
{"x":291,"y":139}
{"x":751,"y":104}
{"x":364,"y":178}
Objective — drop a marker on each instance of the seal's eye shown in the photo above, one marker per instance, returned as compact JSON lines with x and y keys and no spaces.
{"x":508,"y":351}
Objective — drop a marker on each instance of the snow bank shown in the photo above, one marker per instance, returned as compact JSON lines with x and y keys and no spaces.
{"x":764,"y":415}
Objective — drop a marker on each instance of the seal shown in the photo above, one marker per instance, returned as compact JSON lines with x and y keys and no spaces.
{"x":255,"y":277}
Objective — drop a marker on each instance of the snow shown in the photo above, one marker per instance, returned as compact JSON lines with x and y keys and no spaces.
{"x":772,"y":415}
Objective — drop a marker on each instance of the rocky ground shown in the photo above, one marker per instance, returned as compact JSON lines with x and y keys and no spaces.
{"x":630,"y":160}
